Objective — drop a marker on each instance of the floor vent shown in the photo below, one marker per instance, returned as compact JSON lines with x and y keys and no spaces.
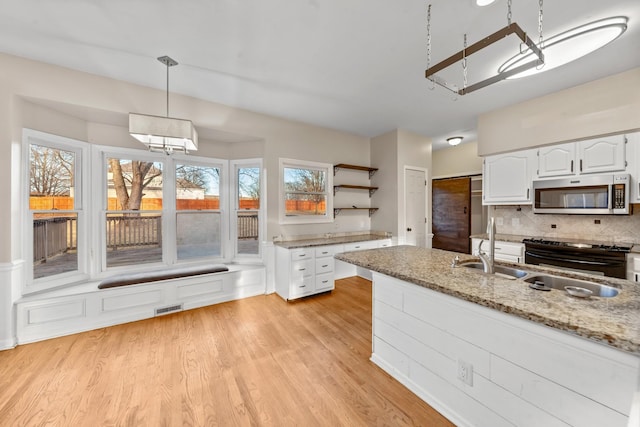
{"x":170,"y":309}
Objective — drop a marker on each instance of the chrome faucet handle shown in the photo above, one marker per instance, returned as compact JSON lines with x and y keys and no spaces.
{"x":456,"y":261}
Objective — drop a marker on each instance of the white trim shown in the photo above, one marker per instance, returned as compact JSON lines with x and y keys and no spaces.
{"x":81,"y":202}
{"x":459,"y":175}
{"x":10,"y":291}
{"x":234,"y":202}
{"x":326,"y":167}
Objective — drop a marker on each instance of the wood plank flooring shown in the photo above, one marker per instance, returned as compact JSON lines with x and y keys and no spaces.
{"x":255,"y":362}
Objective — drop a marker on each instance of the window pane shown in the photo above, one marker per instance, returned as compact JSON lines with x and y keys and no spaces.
{"x":55,"y":248}
{"x":248,"y":188}
{"x":51,"y":178}
{"x":134,"y":185}
{"x":198,"y":234}
{"x":248,"y":232}
{"x":133,"y":238}
{"x":197,"y":187}
{"x":302,"y":204}
{"x":305,"y":191}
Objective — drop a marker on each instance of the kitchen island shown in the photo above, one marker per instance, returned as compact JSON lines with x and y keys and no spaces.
{"x":486,"y":350}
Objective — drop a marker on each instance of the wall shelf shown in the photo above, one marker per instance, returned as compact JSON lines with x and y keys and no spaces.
{"x":354,"y":187}
{"x":336,"y":211}
{"x":354,"y":167}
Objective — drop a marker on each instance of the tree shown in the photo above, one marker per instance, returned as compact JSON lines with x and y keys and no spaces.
{"x":51,"y":171}
{"x":306,"y":184}
{"x":129,"y":184}
{"x":249,"y":183}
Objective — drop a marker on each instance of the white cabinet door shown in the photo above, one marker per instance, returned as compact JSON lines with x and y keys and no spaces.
{"x":557,"y":160}
{"x":507,"y":178}
{"x":602,"y":154}
{"x":633,"y":147}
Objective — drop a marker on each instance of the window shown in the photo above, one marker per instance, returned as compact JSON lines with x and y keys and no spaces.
{"x":198,"y":214}
{"x":247,"y":208}
{"x":304,"y":192}
{"x":136,"y":210}
{"x":56,"y":230}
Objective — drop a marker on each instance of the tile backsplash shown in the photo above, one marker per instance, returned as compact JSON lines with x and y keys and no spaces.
{"x":606,"y":228}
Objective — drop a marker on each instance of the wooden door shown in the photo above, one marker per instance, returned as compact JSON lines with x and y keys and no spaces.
{"x":451,"y":214}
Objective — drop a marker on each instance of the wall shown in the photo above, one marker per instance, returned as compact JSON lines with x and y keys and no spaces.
{"x":601,"y":107}
{"x":612,"y":228}
{"x":391,"y":152}
{"x":461,"y":160}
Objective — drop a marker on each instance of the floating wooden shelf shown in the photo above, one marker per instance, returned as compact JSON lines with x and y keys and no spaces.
{"x":336,"y":211}
{"x":354,"y":167}
{"x":354,"y":187}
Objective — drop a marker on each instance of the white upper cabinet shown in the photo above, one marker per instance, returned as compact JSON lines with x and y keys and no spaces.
{"x":602,"y":154}
{"x":633,"y":147}
{"x":557,"y":160}
{"x":507,"y":178}
{"x":607,"y":154}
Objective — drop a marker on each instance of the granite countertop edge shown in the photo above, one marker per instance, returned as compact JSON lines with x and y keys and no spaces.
{"x":611,"y":321}
{"x":334,"y":240}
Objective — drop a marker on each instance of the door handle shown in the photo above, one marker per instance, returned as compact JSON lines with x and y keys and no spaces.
{"x":465,"y":210}
{"x":408,"y":229}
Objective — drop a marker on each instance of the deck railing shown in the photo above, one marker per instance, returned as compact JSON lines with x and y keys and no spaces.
{"x":55,"y":236}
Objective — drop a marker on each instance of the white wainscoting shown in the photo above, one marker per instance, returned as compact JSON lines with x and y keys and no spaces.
{"x":10,"y":279}
{"x":85,"y":307}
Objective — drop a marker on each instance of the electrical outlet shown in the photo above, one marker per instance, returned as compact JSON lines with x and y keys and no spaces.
{"x":465,"y":372}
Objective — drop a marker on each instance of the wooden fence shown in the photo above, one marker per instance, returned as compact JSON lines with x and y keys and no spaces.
{"x":248,"y":225}
{"x":134,"y":231}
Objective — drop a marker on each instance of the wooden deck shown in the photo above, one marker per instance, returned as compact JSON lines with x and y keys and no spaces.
{"x":260,"y":361}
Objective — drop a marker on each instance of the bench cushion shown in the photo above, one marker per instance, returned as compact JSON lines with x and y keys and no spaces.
{"x":154,"y":276}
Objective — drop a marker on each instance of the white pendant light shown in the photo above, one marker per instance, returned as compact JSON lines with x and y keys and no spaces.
{"x":164,"y":134}
{"x":570,"y":45}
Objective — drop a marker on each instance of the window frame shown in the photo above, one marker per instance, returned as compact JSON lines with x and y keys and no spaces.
{"x":306,"y":219}
{"x":81,"y":208}
{"x":234,"y":209}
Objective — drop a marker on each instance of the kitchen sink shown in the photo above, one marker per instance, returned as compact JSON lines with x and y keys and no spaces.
{"x":575,"y":287}
{"x":546,"y":282}
{"x":500,"y":270}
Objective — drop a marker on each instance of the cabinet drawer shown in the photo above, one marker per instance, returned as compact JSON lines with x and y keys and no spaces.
{"x":302,"y":286}
{"x":302,"y":268}
{"x":633,"y":262}
{"x":324,"y":265}
{"x":359,"y":246}
{"x":507,"y":248}
{"x":324,"y":282}
{"x":384,"y":243}
{"x":325,"y":251}
{"x":303,"y":253}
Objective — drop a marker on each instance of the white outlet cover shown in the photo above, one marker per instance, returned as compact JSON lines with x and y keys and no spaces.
{"x":465,"y":372}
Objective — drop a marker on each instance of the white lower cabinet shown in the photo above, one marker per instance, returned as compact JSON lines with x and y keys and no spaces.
{"x":505,"y":251}
{"x":633,"y":267}
{"x":305,"y":271}
{"x":520,"y":373}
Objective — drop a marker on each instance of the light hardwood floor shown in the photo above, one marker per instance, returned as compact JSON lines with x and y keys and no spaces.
{"x":255,"y":362}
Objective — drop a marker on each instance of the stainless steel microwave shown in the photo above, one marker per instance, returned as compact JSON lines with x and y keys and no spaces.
{"x":589,"y":194}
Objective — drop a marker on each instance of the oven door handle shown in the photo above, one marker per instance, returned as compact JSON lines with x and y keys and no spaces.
{"x":573,"y":261}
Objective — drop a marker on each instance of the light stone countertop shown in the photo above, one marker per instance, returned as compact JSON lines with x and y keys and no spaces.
{"x":333,"y":240}
{"x":611,"y":321}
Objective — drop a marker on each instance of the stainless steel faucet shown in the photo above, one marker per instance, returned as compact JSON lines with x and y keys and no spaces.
{"x":488,"y":260}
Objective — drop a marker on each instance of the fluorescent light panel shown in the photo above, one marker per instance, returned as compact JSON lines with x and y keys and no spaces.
{"x":570,"y":45}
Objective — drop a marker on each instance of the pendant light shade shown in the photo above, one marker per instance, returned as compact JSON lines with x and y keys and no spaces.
{"x":164,"y":134}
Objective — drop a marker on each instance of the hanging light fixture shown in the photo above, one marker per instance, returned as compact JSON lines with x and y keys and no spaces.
{"x":571,"y":45}
{"x":164,"y":134}
{"x":455,"y":140}
{"x":536,"y":59}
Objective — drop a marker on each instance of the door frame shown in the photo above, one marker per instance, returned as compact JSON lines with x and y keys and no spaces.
{"x":402,"y":235}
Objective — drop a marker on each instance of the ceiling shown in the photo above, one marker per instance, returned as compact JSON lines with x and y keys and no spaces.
{"x":355,"y":65}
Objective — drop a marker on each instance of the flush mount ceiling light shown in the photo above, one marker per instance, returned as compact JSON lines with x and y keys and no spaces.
{"x":454,"y":140}
{"x":536,"y":60}
{"x":570,"y":45}
{"x":164,"y":134}
{"x":484,"y":2}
